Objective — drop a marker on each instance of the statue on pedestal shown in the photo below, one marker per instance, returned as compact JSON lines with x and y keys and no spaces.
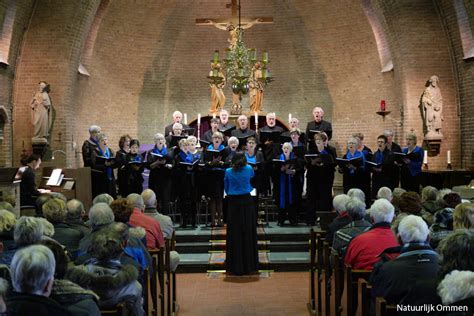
{"x":217,"y":88}
{"x":432,"y":106}
{"x":41,"y":114}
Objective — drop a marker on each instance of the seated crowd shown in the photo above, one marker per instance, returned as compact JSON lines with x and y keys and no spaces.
{"x":419,"y":249}
{"x":73,"y":262}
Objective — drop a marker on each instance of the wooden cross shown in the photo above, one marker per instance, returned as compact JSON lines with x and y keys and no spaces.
{"x":245,"y":23}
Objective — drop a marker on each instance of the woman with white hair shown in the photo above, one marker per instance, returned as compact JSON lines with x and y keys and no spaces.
{"x":353,"y":173}
{"x":231,"y":149}
{"x":32,"y":273}
{"x":286,"y":185}
{"x":7,"y":225}
{"x":103,"y":163}
{"x":411,"y":167}
{"x":160,"y":162}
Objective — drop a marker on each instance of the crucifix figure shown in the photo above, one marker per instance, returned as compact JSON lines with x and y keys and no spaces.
{"x":234,"y":24}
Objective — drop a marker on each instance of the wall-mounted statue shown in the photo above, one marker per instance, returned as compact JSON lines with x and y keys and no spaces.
{"x":41,"y":114}
{"x":256,"y":89}
{"x":432,"y":106}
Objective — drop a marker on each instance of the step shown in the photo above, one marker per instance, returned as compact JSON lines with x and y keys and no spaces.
{"x":273,"y":246}
{"x":278,"y":261}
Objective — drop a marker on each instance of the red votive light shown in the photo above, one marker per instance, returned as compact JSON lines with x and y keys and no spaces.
{"x":382,"y":105}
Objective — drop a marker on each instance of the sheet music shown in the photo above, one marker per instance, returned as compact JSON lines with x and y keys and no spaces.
{"x":55,"y":178}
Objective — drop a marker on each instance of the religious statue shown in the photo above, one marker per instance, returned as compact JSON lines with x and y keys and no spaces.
{"x":41,"y":114}
{"x":217,"y":88}
{"x":234,"y":31}
{"x":432,"y":106}
{"x":256,"y":88}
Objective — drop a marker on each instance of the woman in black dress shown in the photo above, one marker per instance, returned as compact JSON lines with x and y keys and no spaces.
{"x":124,"y":145}
{"x":103,"y":163}
{"x":28,"y":191}
{"x":133,"y":166}
{"x":241,"y":246}
{"x":160,"y":161}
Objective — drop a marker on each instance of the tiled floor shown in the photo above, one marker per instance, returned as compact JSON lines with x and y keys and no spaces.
{"x":283,"y":293}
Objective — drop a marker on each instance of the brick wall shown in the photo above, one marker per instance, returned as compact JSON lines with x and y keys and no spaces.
{"x":146,"y":61}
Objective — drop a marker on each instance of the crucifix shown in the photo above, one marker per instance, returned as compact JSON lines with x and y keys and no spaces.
{"x":234,"y":24}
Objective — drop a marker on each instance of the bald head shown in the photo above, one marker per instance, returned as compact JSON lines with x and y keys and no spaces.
{"x":75,"y":209}
{"x":149,"y":198}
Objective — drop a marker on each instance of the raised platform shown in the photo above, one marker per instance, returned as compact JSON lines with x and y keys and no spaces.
{"x":280,"y":248}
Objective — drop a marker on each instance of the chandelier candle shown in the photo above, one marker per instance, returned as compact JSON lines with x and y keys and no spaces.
{"x":265,"y":57}
{"x":449,"y":157}
{"x":216,"y":57}
{"x":199,"y":118}
{"x":185,"y":118}
{"x":425,"y":157}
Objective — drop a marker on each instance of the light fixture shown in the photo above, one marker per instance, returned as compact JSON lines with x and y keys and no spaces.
{"x":58,"y":151}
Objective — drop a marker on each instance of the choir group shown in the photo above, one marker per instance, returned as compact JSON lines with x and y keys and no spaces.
{"x":185,"y":168}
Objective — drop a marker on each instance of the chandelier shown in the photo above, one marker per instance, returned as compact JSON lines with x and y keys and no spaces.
{"x":240,"y":63}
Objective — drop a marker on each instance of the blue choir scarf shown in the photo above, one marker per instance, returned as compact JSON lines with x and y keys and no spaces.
{"x":357,"y":154}
{"x":252,"y":159}
{"x":378,"y":157}
{"x":162,"y":152}
{"x":186,"y":157}
{"x":285,"y":184}
{"x":106,"y":154}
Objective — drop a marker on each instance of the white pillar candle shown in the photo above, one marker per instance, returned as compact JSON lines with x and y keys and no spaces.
{"x":199,"y":118}
{"x":425,"y":157}
{"x":256,"y":118}
{"x":289,"y":118}
{"x":449,"y":156}
{"x":185,"y":118}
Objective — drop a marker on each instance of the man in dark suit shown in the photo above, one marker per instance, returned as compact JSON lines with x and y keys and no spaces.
{"x":319,"y":125}
{"x":242,"y":132}
{"x":177,"y":117}
{"x":271,"y":150}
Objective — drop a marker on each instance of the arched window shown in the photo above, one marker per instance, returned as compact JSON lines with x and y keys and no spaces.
{"x":3,"y":121}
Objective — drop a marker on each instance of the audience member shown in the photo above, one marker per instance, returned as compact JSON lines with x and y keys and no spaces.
{"x":6,"y":206}
{"x":55,"y":212}
{"x":154,"y":235}
{"x":463,"y":216}
{"x":75,"y":215}
{"x":416,"y":262}
{"x":356,"y":211}
{"x":166,"y":224}
{"x":356,"y":193}
{"x":457,"y":270}
{"x":385,"y":193}
{"x":363,"y":250}
{"x":409,"y":203}
{"x":28,"y":230}
{"x":75,"y":299}
{"x":428,"y":199}
{"x":32,"y":272}
{"x":7,"y":225}
{"x":104,"y":274}
{"x":339,"y":203}
{"x":443,"y":219}
{"x":103,"y":198}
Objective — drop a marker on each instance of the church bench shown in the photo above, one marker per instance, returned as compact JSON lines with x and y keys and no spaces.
{"x":349,"y":296}
{"x":384,"y":309}
{"x":363,"y":297}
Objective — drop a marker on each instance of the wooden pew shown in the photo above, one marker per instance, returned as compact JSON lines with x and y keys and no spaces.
{"x":363,"y":297}
{"x":146,"y":292}
{"x":172,"y":306}
{"x":337,"y":284}
{"x":349,"y":296}
{"x":325,"y":277}
{"x":384,"y":309}
{"x":325,"y":218}
{"x":316,"y":269}
{"x":157,"y":281}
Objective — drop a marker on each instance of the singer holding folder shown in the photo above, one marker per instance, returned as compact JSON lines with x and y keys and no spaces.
{"x":134,"y":166}
{"x":103,"y":163}
{"x":241,"y":245}
{"x":160,"y":162}
{"x":411,"y":165}
{"x":320,"y":177}
{"x":214,"y":160}
{"x":352,"y":166}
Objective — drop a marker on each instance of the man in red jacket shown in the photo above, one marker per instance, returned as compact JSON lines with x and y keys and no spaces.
{"x":154,"y":234}
{"x":364,"y":250}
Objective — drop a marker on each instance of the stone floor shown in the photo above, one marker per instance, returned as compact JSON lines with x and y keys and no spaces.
{"x":283,"y":293}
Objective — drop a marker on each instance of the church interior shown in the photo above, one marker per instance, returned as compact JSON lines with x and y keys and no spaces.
{"x":394,"y":71}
